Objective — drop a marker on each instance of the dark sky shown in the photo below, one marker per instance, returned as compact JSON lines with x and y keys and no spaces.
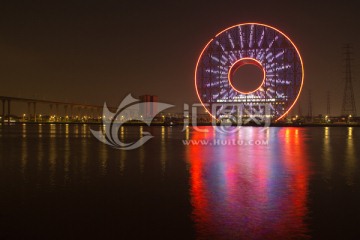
{"x":95,"y":51}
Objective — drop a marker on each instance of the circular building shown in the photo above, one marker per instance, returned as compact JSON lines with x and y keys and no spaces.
{"x":249,"y":70}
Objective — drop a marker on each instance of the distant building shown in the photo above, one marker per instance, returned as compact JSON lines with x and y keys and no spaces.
{"x":150,"y":108}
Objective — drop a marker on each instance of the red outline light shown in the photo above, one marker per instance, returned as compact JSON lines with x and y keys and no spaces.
{"x":301,"y":61}
{"x":197,"y":64}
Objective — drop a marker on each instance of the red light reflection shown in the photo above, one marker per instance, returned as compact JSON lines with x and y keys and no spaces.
{"x":250,"y":192}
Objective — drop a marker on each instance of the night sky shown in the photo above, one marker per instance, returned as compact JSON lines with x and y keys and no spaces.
{"x":95,"y":51}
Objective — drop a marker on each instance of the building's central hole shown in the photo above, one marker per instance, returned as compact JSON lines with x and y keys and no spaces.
{"x":247,"y":78}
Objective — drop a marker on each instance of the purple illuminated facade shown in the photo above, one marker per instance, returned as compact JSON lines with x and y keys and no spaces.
{"x":257,"y":44}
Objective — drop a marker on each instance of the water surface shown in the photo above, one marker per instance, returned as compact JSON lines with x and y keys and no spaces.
{"x":59,"y":182}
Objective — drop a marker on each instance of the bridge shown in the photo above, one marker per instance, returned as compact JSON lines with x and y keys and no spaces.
{"x":69,"y":107}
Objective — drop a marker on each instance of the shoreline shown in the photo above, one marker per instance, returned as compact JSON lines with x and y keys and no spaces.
{"x":190,"y":125}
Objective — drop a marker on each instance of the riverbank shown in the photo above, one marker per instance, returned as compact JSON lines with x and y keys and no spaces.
{"x":277,"y":124}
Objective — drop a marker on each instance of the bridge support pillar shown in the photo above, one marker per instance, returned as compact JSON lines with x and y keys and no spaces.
{"x":57,"y":112}
{"x":34,"y":111}
{"x":51,"y":110}
{"x":66,"y":113}
{"x":29,"y":110}
{"x":71,"y":111}
{"x":3,"y":111}
{"x":8,"y":101}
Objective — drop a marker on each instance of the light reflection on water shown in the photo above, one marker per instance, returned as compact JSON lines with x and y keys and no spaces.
{"x":327,"y":154}
{"x":40,"y":130}
{"x":257,"y":192}
{"x":52,"y":163}
{"x":66,"y":153}
{"x":163,"y":155}
{"x":350,"y":157}
{"x":24,"y":154}
{"x":103,"y":158}
{"x":247,"y":191}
